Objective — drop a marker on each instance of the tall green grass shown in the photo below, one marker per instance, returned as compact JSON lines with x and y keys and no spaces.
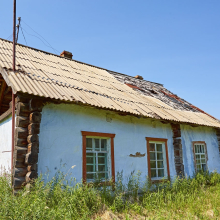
{"x":186,"y":198}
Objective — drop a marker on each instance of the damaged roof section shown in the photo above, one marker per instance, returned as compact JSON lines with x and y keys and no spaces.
{"x":155,"y":90}
{"x":158,"y":91}
{"x":51,"y":76}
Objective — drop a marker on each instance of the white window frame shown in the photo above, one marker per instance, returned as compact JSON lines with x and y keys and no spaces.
{"x":108,"y":152}
{"x":165,"y":158}
{"x":198,"y":143}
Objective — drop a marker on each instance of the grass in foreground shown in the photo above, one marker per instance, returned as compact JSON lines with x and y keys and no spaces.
{"x":187,"y":198}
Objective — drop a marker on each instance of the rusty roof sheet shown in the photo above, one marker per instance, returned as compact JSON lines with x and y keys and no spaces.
{"x":51,"y":76}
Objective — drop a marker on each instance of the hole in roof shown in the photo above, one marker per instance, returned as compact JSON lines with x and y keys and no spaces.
{"x":153,"y":91}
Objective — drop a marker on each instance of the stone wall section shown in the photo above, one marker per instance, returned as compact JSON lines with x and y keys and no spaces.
{"x":178,"y":152}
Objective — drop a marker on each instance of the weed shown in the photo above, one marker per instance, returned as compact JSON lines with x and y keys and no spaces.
{"x":196,"y":197}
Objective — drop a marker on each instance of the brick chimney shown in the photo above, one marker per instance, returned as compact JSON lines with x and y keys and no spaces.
{"x":66,"y":54}
{"x":138,"y":77}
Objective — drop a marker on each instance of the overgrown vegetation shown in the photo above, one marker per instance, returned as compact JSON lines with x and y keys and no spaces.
{"x":187,"y":198}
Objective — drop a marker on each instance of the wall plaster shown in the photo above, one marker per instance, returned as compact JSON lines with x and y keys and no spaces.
{"x":61,"y":140}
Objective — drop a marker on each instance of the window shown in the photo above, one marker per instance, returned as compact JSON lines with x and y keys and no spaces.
{"x":97,"y":161}
{"x":98,"y":156}
{"x":200,"y":156}
{"x":157,"y":155}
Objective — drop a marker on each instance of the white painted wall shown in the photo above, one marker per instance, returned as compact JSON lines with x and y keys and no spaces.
{"x":61,"y":140}
{"x":190,"y":134}
{"x":5,"y":145}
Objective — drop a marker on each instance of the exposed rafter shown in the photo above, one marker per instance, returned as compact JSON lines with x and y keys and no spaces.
{"x":2,"y":91}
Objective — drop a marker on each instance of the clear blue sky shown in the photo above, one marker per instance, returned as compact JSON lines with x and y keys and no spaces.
{"x":172,"y":42}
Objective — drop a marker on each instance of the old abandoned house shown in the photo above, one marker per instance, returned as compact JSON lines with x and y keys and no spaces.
{"x":73,"y":113}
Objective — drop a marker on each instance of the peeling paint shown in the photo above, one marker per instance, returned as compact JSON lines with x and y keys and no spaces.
{"x":60,"y":140}
{"x":138,"y":154}
{"x":61,"y":127}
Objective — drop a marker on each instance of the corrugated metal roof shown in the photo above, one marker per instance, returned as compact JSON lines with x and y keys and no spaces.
{"x":48,"y":75}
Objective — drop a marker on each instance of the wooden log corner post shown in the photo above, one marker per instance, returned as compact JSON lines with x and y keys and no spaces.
{"x":218,"y":138}
{"x":27,"y":128}
{"x":178,"y":151}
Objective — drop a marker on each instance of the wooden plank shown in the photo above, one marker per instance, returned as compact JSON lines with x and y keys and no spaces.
{"x":19,"y":164}
{"x":5,"y":104}
{"x":30,"y":175}
{"x":5,"y":76}
{"x":98,"y":134}
{"x":33,"y":147}
{"x":35,"y":105}
{"x":7,"y":91}
{"x":33,"y":138}
{"x":113,"y":159}
{"x":22,"y":98}
{"x":35,"y":117}
{"x":19,"y":182}
{"x":20,"y":142}
{"x":21,"y":150}
{"x":33,"y":128}
{"x":22,"y":121}
{"x":20,"y":172}
{"x":84,"y":158}
{"x":3,"y":87}
{"x":31,"y":158}
{"x":22,"y":109}
{"x":20,"y":158}
{"x":32,"y":167}
{"x":21,"y":132}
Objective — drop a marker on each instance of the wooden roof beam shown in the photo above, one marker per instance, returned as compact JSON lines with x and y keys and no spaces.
{"x":3,"y":87}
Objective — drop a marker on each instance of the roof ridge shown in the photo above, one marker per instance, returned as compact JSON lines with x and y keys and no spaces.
{"x":77,"y":61}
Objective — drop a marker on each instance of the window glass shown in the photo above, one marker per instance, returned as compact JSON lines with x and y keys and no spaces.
{"x":97,"y":161}
{"x":157,"y":164}
{"x":200,"y":157}
{"x":159,"y":147}
{"x":152,"y":156}
{"x":160,"y":164}
{"x":152,"y":147}
{"x":160,"y":156}
{"x":97,"y":144}
{"x":90,"y":158}
{"x":160,"y":172}
{"x":153,"y":164}
{"x":153,"y":173}
{"x":89,"y":143}
{"x":103,"y":144}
